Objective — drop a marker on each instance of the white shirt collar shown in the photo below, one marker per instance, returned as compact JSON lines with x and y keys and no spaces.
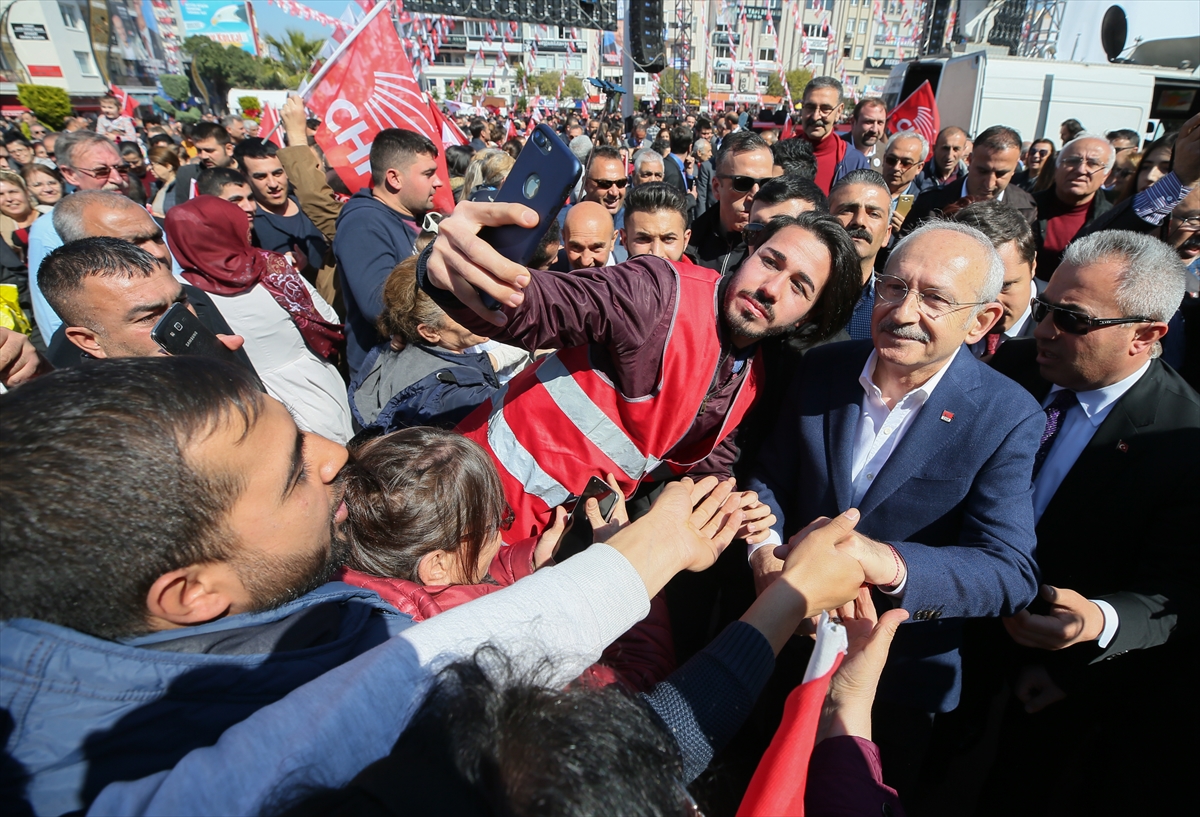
{"x":964,"y":191}
{"x":867,"y":379}
{"x":1096,"y":402}
{"x":1019,"y":323}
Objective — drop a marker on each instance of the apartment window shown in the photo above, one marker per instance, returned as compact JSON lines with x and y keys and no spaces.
{"x":766,"y":55}
{"x":846,"y":52}
{"x":850,"y":25}
{"x":848,"y":38}
{"x":852,"y":80}
{"x":862,"y":26}
{"x":858,"y":52}
{"x":877,"y":53}
{"x":722,"y":78}
{"x":71,"y":16}
{"x":721,"y":52}
{"x":86,"y":66}
{"x":891,"y":53}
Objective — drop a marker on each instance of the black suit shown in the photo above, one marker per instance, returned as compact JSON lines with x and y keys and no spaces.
{"x":1120,"y":528}
{"x":933,"y":202}
{"x":673,"y":176}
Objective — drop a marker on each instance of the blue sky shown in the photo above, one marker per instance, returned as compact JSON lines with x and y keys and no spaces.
{"x":274,"y":20}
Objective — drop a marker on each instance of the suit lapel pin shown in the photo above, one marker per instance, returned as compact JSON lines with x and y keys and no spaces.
{"x":947,"y":416}
{"x":1123,"y":446}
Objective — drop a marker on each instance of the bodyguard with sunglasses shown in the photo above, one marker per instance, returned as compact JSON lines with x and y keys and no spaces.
{"x":87,"y":161}
{"x":1115,"y":491}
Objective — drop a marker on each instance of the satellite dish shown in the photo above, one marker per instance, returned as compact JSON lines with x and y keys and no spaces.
{"x":1113,"y":31}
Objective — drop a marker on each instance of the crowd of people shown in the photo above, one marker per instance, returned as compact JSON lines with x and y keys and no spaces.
{"x":363,"y":565}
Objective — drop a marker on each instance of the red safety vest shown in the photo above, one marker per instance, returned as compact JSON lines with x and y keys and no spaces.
{"x":560,"y":421}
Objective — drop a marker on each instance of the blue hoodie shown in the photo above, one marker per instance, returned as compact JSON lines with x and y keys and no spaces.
{"x":371,"y":240}
{"x":80,"y":712}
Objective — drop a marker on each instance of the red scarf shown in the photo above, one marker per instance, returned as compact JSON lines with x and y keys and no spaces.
{"x":829,"y":153}
{"x":210,"y":237}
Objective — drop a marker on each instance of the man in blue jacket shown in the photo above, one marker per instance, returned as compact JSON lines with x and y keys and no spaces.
{"x":377,"y":227}
{"x":168,"y":536}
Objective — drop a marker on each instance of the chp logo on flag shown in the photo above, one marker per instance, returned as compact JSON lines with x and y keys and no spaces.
{"x":919,"y":112}
{"x":355,"y":100}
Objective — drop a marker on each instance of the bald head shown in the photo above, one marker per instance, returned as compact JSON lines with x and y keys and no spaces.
{"x":102,"y":213}
{"x":588,"y":235}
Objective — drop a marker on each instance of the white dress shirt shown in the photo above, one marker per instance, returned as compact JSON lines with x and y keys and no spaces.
{"x":879,"y":432}
{"x":1076,"y":428}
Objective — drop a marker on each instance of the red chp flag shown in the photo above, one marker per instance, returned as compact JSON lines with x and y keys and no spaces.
{"x":919,"y":112}
{"x":777,"y":788}
{"x":268,"y":125}
{"x":128,"y":104}
{"x":365,"y":87}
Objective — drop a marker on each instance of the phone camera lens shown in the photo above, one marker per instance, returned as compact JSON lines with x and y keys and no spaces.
{"x":539,"y":139}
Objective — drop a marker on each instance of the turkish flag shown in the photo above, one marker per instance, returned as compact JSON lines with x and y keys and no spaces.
{"x":128,"y":104}
{"x":777,"y":788}
{"x":919,"y":112}
{"x":365,"y":87}
{"x":268,"y":125}
{"x":789,"y":129}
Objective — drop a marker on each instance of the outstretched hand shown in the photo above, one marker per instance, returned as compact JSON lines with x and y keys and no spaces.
{"x":1073,"y":619}
{"x":463,"y":263}
{"x":1186,"y":158}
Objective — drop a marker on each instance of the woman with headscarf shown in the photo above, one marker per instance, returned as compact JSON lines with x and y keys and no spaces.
{"x":292,"y":335}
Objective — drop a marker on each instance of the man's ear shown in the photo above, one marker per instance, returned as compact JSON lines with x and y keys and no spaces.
{"x":430,"y":335}
{"x":985,"y":320}
{"x":85,"y":339}
{"x":229,"y":149}
{"x":1146,"y":336}
{"x":192,"y":595}
{"x":393,"y":179}
{"x":436,"y":568}
{"x":621,"y":235}
{"x":687,"y":237}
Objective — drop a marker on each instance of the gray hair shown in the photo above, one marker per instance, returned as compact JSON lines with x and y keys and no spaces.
{"x":1152,"y":280}
{"x":993,"y":278}
{"x":1112,"y":152}
{"x":647,"y":155}
{"x":908,"y":134}
{"x":67,"y":215}
{"x":69,"y":144}
{"x":699,"y":143}
{"x":816,"y":83}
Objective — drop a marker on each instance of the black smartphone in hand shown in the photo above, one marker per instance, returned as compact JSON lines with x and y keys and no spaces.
{"x":179,"y":332}
{"x":602,"y":492}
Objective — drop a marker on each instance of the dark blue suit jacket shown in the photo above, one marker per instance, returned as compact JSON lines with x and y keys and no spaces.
{"x":955,"y":499}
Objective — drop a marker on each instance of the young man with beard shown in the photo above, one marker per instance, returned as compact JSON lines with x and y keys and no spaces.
{"x":658,"y":360}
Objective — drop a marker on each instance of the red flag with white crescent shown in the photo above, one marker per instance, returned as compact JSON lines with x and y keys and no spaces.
{"x":777,"y":788}
{"x":919,"y":112}
{"x":365,"y":87}
{"x":128,"y":104}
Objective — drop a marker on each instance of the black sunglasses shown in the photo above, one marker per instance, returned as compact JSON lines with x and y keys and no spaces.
{"x":1076,"y":323}
{"x":604,"y":184}
{"x":752,"y":233}
{"x":744,"y":184}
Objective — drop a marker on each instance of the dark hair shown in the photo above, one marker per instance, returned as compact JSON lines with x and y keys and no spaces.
{"x":950,"y":131}
{"x":863,"y":175}
{"x":1001,"y":224}
{"x":869,"y":102}
{"x":213,"y":180}
{"x":1074,"y":128}
{"x":831,"y":311}
{"x":998,"y":137}
{"x":162,"y":139}
{"x":458,"y":158}
{"x":62,"y":272}
{"x":512,"y":147}
{"x":493,"y":739}
{"x":742,"y":141}
{"x":681,"y":139}
{"x":253,"y":148}
{"x":211,"y":130}
{"x":541,"y":254}
{"x":163,"y":155}
{"x":655,"y":196}
{"x":33,"y":168}
{"x":415,"y":491}
{"x":795,"y":156}
{"x":788,"y":187}
{"x":816,"y":83}
{"x":1129,"y":189}
{"x":703,"y":123}
{"x":100,"y":497}
{"x":603,"y":152}
{"x":130,"y":147}
{"x":477,"y":128}
{"x":1126,"y":134}
{"x":12,"y":137}
{"x":396,"y":148}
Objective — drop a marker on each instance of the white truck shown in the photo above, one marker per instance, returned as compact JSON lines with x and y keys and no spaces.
{"x":1034,"y":96}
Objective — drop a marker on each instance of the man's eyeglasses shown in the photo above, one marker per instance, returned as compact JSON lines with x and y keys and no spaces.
{"x":1189,"y":223}
{"x":1075,"y":323}
{"x":935,"y":304}
{"x":104,"y":171}
{"x":1075,"y":162}
{"x":744,"y":184}
{"x":904,"y":164}
{"x":752,"y":233}
{"x":604,"y":184}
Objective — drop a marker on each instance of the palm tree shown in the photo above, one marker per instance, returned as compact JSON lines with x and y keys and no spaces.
{"x":295,"y":52}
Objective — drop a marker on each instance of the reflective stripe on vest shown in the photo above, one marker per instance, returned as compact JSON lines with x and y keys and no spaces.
{"x":516,"y":460}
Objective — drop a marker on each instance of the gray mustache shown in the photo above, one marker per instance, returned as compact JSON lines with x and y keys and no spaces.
{"x":907,"y":331}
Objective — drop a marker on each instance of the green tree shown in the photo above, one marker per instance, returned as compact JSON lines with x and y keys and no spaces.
{"x":295,"y":52}
{"x":223,"y":67}
{"x":573,"y":87}
{"x":697,"y":87}
{"x":797,"y":78}
{"x":177,"y":88}
{"x":49,"y":104}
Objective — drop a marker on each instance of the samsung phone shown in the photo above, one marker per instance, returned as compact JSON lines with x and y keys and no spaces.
{"x":603,"y":493}
{"x":179,"y":332}
{"x":545,"y":173}
{"x":904,"y":204}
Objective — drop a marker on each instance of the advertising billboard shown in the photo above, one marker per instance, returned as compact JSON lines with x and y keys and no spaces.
{"x":225,"y":22}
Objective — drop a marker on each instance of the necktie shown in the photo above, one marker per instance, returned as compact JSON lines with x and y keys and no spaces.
{"x":1062,"y":402}
{"x":993,"y":342}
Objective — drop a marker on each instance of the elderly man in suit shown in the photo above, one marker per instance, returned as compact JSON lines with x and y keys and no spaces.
{"x":935,"y":450}
{"x":1114,"y":495}
{"x":1012,"y":237}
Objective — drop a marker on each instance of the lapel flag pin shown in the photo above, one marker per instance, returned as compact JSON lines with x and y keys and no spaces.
{"x":1122,"y":446}
{"x":947,"y":416}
